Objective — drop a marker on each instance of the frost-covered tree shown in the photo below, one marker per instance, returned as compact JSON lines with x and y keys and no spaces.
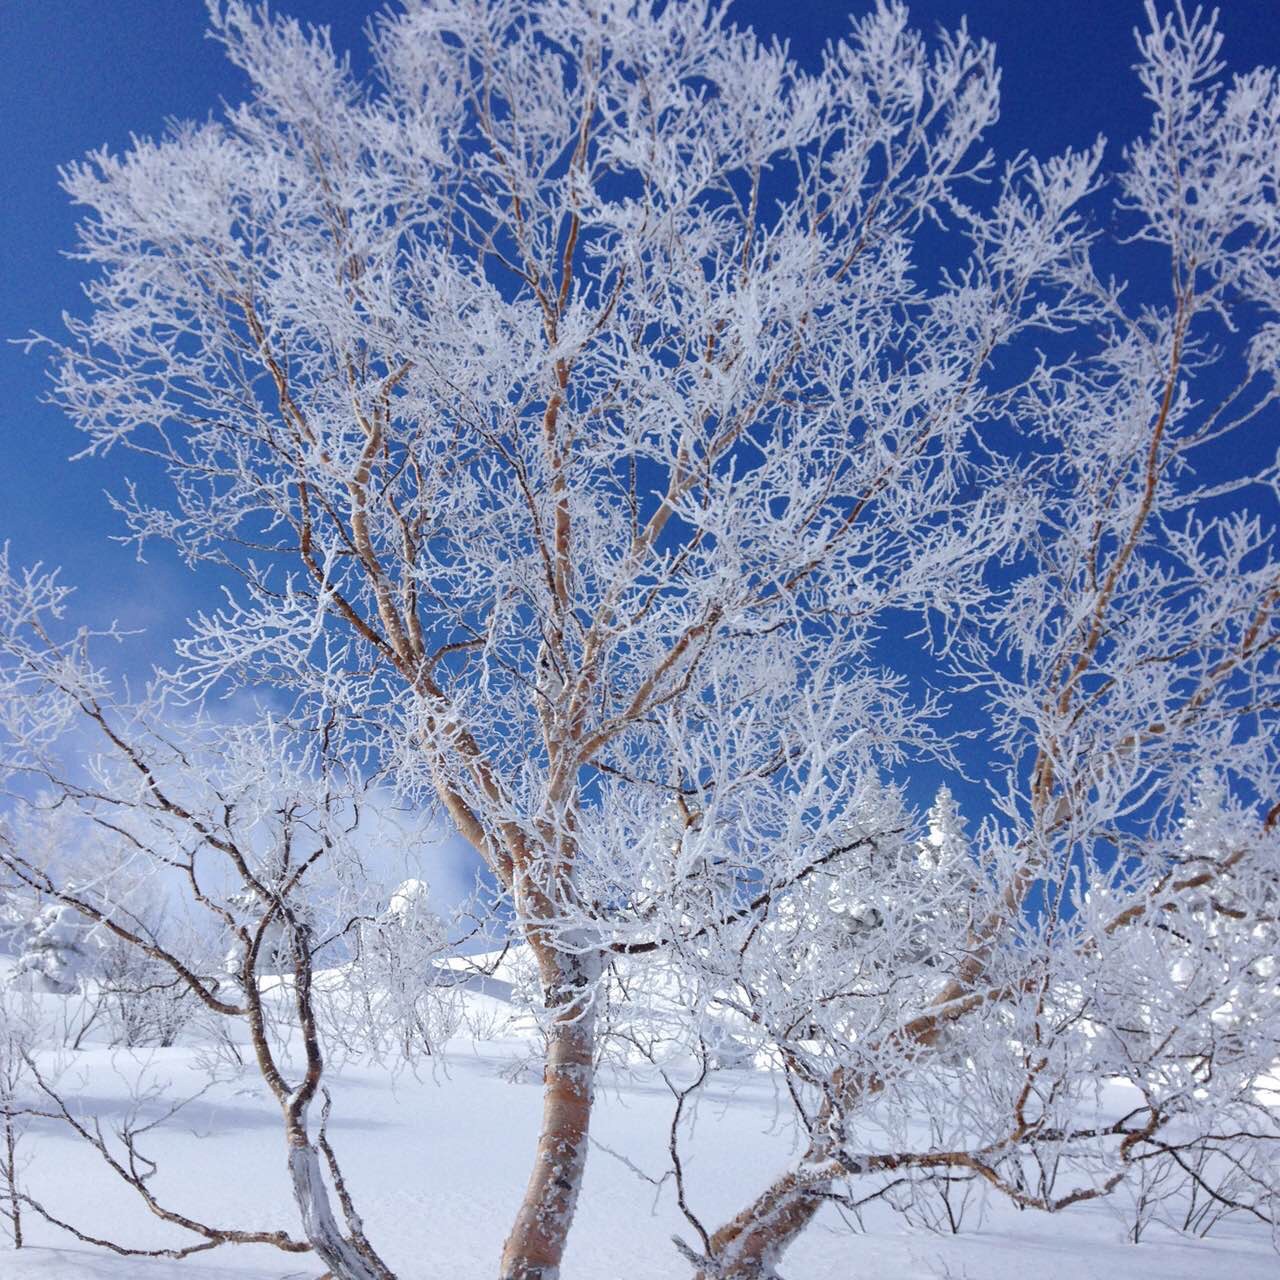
{"x":945,"y":849}
{"x":949,"y":873}
{"x":1132,"y":646}
{"x":542,"y":387}
{"x":248,"y":828}
{"x":407,"y":993}
{"x":55,"y":951}
{"x":593,"y":404}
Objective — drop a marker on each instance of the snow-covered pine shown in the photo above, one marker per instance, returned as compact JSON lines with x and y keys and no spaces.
{"x":945,"y":849}
{"x":55,"y":951}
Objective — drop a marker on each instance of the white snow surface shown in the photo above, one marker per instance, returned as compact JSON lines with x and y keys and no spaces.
{"x":437,"y":1161}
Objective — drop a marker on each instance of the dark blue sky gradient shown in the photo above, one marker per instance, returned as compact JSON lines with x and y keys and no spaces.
{"x":79,"y":74}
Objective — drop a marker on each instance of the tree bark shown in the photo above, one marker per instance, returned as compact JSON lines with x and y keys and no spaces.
{"x":750,"y":1246}
{"x":11,"y":1172}
{"x":535,"y":1247}
{"x":340,"y":1255}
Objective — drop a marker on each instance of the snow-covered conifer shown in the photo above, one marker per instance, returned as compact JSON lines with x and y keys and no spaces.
{"x":56,"y":951}
{"x":945,"y":849}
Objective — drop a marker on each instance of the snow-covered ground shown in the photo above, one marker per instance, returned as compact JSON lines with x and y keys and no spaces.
{"x":437,"y":1162}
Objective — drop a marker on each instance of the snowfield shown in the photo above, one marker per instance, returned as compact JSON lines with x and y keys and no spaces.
{"x":437,"y":1161}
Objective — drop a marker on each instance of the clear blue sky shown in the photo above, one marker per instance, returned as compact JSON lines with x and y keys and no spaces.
{"x":77,"y":74}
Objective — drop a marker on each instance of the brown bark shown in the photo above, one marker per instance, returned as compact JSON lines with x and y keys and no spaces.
{"x":535,"y":1247}
{"x":749,"y":1246}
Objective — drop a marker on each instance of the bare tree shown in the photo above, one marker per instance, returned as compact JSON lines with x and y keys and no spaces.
{"x":248,"y":828}
{"x":17,"y":1033}
{"x":582,"y":409}
{"x":1120,"y":931}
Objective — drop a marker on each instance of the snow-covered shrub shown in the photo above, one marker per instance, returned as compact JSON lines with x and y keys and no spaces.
{"x":410,"y":997}
{"x":144,"y":1002}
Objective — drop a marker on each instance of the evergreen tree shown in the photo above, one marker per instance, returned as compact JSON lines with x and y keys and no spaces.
{"x":55,"y":951}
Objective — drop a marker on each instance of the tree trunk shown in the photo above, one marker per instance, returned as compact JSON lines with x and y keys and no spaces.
{"x":536,"y":1244}
{"x":342,"y":1256}
{"x":11,"y":1172}
{"x":751,"y":1245}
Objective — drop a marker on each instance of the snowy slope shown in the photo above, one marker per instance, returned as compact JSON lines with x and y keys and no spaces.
{"x":437,"y":1163}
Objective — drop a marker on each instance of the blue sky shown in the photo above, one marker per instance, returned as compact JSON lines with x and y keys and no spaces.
{"x":78,"y":74}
